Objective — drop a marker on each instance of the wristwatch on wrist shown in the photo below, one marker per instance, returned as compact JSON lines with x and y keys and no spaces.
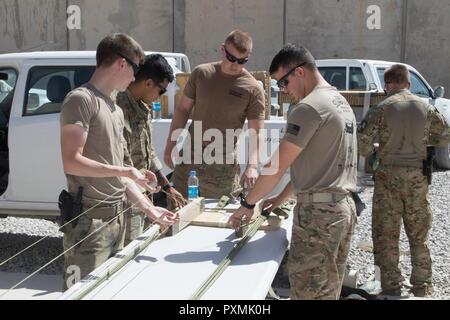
{"x":166,"y":187}
{"x":245,"y":204}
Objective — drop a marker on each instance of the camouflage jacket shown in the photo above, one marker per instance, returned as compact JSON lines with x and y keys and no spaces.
{"x":138,"y":133}
{"x":376,"y":125}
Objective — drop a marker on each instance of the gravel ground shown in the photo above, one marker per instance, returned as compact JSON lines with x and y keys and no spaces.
{"x":361,"y":254}
{"x":18,"y":233}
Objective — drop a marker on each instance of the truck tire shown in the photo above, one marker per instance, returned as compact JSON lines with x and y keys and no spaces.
{"x":443,"y":157}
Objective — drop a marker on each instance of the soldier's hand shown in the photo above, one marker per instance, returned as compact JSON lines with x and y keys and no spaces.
{"x":178,"y":201}
{"x":271,"y":203}
{"x":249,"y":177}
{"x":240,"y":215}
{"x":162,"y":216}
{"x":147,"y":181}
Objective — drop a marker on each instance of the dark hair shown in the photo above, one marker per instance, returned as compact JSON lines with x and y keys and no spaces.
{"x":291,"y":56}
{"x":241,"y":40}
{"x":118,"y":43}
{"x":397,"y":73}
{"x":155,"y":67}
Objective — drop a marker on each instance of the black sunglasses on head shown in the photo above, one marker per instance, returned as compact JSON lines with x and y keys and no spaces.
{"x":130,"y":62}
{"x":283,"y":82}
{"x":233,"y":59}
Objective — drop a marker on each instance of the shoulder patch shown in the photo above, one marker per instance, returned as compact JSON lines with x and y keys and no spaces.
{"x":293,"y":129}
{"x":349,"y":128}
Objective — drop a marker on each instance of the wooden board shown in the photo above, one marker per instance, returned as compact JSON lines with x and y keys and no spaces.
{"x":218,"y":218}
{"x":188,"y":214}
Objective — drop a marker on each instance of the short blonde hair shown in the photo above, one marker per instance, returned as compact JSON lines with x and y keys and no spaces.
{"x":241,"y":40}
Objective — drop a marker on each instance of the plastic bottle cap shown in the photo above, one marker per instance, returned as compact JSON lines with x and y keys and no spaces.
{"x":193,"y":173}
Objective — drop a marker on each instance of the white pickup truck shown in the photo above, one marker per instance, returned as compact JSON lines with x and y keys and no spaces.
{"x":33,"y":86}
{"x":368,"y":75}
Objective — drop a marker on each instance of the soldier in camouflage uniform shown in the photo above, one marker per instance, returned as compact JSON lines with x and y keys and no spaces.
{"x":225,"y":94}
{"x":92,"y":150}
{"x":320,"y":148}
{"x":151,"y":82}
{"x":404,"y":125}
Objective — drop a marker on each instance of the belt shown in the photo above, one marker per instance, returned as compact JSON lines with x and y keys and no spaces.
{"x":105,"y":213}
{"x":320,"y":197}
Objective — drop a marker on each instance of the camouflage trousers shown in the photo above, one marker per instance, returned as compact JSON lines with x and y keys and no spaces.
{"x":320,"y":243}
{"x":401,"y":194}
{"x":215,"y":180}
{"x":135,"y":220}
{"x":99,"y":246}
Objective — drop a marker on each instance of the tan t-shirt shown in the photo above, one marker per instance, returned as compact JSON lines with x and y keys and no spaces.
{"x":103,"y":120}
{"x":224,"y":101}
{"x":324,"y":126}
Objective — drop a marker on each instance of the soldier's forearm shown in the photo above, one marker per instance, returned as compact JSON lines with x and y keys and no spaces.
{"x":179,"y":121}
{"x":162,"y":179}
{"x":287,"y":192}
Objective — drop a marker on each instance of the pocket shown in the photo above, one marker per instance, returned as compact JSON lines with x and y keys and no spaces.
{"x":81,"y":230}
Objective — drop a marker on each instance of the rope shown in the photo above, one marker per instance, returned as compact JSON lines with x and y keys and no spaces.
{"x":227,"y":260}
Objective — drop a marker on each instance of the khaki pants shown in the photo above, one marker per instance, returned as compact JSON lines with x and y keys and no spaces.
{"x":321,"y":240}
{"x":98,"y":246}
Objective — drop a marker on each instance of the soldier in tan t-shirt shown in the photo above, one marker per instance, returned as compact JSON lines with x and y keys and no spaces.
{"x":320,"y":148}
{"x":92,"y":149}
{"x":224,"y":95}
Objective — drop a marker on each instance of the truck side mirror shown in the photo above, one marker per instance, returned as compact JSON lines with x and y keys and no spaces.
{"x":439,"y":92}
{"x":3,"y":76}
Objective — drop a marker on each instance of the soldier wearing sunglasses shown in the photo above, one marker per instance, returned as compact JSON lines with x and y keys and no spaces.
{"x":225,"y":95}
{"x":92,"y":151}
{"x":320,"y":149}
{"x":152,"y":80}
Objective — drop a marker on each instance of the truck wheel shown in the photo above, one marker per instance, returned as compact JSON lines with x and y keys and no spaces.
{"x":443,"y":157}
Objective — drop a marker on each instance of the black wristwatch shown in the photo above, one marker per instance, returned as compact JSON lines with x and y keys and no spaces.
{"x":245,"y":204}
{"x":167,"y":187}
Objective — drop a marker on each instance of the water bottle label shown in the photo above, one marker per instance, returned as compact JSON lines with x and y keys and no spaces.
{"x":192,"y":192}
{"x":156,"y":106}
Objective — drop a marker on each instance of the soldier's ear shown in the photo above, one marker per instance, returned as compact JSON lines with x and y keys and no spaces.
{"x":149,"y":83}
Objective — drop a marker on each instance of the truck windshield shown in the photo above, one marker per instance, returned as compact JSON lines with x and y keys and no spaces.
{"x":418,"y":87}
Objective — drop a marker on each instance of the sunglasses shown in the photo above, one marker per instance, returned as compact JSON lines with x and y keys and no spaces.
{"x":131,"y":63}
{"x":283,"y":82}
{"x":233,"y":59}
{"x":162,"y":90}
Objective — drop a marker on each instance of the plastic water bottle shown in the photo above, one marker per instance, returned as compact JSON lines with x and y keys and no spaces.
{"x":156,"y":110}
{"x":193,"y":186}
